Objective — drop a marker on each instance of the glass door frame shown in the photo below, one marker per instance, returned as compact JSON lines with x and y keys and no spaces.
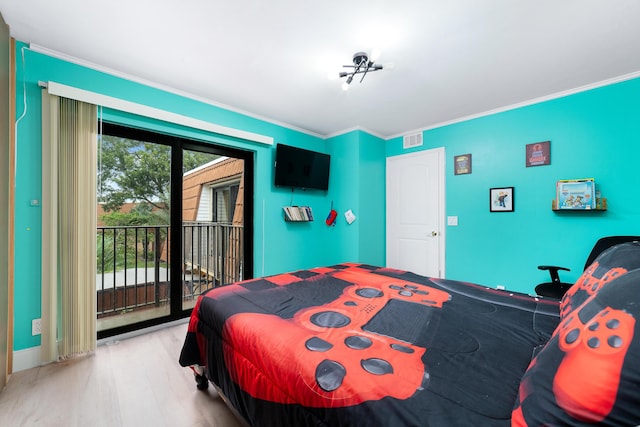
{"x":178,"y":144}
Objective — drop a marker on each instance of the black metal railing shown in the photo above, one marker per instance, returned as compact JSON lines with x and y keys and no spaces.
{"x":133,"y":263}
{"x":211,"y":254}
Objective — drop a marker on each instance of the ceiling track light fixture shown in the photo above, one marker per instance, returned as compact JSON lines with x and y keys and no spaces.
{"x":361,"y":65}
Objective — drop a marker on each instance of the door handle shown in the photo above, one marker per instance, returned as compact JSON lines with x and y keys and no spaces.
{"x":434,"y":233}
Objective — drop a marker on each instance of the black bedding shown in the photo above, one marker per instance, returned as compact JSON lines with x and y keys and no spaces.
{"x":359,"y":345}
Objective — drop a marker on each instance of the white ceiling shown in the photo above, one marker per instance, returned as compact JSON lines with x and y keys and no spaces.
{"x":444,"y":59}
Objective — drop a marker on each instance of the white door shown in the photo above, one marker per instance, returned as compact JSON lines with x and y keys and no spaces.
{"x":415,"y":212}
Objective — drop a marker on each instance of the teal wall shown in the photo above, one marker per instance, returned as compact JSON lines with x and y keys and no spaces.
{"x":358,"y":180}
{"x":595,"y":133}
{"x":279,"y":246}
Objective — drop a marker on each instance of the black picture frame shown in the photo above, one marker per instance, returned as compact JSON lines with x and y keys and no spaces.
{"x":501,"y":199}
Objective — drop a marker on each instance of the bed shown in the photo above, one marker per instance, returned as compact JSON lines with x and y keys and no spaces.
{"x":355,"y":344}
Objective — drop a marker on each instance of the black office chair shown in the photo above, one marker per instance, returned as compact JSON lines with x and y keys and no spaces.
{"x":555,"y":288}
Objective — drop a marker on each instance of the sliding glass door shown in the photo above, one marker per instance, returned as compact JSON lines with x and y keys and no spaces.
{"x":134,"y":211}
{"x":171,"y":217}
{"x":212,"y":223}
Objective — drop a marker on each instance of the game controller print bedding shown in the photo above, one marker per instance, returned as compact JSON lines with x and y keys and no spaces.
{"x":359,"y":345}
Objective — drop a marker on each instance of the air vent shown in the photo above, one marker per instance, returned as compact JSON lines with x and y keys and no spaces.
{"x":414,"y":140}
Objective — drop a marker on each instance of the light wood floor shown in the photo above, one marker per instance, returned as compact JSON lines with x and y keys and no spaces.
{"x":134,"y":382}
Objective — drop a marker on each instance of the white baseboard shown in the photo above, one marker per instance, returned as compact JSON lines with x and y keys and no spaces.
{"x":30,"y":357}
{"x":26,"y":359}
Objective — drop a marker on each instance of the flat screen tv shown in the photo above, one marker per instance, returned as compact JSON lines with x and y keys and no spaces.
{"x":300,"y":168}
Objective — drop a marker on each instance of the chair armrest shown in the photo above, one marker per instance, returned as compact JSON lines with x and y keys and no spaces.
{"x":552,"y":267}
{"x":553,"y":272}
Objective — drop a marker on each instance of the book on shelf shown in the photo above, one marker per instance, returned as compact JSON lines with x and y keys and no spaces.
{"x":307,"y":210}
{"x":576,"y":194}
{"x":296,"y":213}
{"x":287,"y":213}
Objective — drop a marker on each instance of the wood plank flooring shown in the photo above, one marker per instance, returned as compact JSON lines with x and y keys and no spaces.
{"x":134,"y":382}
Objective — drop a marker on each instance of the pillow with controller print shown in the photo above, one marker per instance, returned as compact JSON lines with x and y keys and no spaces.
{"x":611,"y":263}
{"x":588,"y":373}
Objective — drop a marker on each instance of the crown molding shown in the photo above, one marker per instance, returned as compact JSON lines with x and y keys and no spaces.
{"x":534,"y":101}
{"x":135,"y":79}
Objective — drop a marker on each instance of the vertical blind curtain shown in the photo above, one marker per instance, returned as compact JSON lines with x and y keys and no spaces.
{"x":69,"y":227}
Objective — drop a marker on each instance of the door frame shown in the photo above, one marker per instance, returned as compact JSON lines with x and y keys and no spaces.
{"x":178,"y":144}
{"x":440,"y":152}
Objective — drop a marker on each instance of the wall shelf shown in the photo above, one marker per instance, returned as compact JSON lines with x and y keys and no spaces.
{"x":297,"y":213}
{"x":601,"y":206}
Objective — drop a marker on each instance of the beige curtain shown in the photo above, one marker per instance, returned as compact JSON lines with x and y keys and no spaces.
{"x":69,"y":154}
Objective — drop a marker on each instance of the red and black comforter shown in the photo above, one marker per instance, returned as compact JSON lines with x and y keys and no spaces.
{"x":354,"y":344}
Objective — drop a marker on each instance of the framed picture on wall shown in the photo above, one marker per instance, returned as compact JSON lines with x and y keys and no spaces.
{"x":538,"y":154}
{"x":501,"y":199}
{"x":462,"y":164}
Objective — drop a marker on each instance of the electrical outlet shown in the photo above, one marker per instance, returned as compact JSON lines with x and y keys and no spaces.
{"x":36,"y":326}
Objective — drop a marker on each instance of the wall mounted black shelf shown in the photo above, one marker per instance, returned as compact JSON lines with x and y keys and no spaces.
{"x":297,"y":213}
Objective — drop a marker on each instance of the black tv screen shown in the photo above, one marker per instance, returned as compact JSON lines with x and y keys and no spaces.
{"x":300,"y":168}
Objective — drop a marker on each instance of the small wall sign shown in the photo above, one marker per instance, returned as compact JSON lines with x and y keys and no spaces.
{"x":538,"y":154}
{"x":462,"y":164}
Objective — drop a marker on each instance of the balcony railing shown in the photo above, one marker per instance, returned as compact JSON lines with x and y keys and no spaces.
{"x":133,"y":263}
